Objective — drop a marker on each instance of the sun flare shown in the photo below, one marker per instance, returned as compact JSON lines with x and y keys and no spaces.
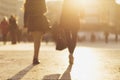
{"x":117,"y":1}
{"x":86,"y":64}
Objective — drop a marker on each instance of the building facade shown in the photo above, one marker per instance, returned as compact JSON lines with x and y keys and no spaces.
{"x":8,"y":7}
{"x":101,"y":15}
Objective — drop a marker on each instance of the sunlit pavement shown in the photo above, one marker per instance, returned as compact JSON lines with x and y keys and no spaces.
{"x":92,"y":61}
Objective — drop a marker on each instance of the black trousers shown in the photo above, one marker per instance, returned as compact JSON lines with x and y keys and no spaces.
{"x":4,"y":38}
{"x":13,"y":37}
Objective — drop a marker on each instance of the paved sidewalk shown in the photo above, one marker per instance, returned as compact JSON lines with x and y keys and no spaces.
{"x":95,"y":62}
{"x":16,"y":62}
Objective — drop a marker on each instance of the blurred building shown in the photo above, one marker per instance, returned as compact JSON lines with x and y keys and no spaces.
{"x":8,"y":7}
{"x":20,"y":12}
{"x":102,"y":15}
{"x":99,"y":17}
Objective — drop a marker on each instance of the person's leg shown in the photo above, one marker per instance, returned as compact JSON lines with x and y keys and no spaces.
{"x":37,"y":37}
{"x":69,"y":40}
{"x":4,"y":39}
{"x":73,"y":40}
{"x":12,"y":37}
{"x":71,"y":37}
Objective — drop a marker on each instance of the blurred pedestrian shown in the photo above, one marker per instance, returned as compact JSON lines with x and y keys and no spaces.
{"x":13,"y":28}
{"x":36,"y":23}
{"x":116,"y":37}
{"x":93,"y":38}
{"x":106,"y":36}
{"x":69,"y":22}
{"x":4,"y":28}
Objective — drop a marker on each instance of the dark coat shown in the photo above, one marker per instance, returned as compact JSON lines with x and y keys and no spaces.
{"x":34,"y":18}
{"x":12,"y":24}
{"x":4,"y":27}
{"x":69,"y":16}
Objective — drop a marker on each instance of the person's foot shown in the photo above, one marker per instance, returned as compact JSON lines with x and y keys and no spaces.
{"x":35,"y":62}
{"x":71,"y":59}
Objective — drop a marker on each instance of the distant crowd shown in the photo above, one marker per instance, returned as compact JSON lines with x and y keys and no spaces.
{"x":10,"y":31}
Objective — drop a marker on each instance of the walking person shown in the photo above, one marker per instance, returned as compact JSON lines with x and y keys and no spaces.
{"x":69,"y":22}
{"x":36,"y":23}
{"x":13,"y":28}
{"x":4,"y":29}
{"x":106,"y":36}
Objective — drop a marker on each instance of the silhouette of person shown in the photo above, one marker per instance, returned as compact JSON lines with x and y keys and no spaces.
{"x":106,"y":36}
{"x":4,"y":28}
{"x":36,"y":23}
{"x":69,"y":22}
{"x":116,"y":37}
{"x":13,"y":29}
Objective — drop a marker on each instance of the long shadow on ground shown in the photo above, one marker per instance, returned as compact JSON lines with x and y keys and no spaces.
{"x":21,"y":73}
{"x":64,"y":76}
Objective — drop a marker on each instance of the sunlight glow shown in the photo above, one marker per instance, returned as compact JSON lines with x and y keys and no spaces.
{"x":87,"y":64}
{"x":53,"y":0}
{"x":88,"y":2}
{"x":81,"y":3}
{"x":117,"y":1}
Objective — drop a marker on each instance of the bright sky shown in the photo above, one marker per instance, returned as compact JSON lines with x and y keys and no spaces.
{"x":84,"y":1}
{"x":117,"y":1}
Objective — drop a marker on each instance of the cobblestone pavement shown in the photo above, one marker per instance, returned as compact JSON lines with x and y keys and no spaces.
{"x":92,"y":61}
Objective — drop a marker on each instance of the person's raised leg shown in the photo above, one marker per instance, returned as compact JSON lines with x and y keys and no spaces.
{"x":72,"y":45}
{"x":69,"y":45}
